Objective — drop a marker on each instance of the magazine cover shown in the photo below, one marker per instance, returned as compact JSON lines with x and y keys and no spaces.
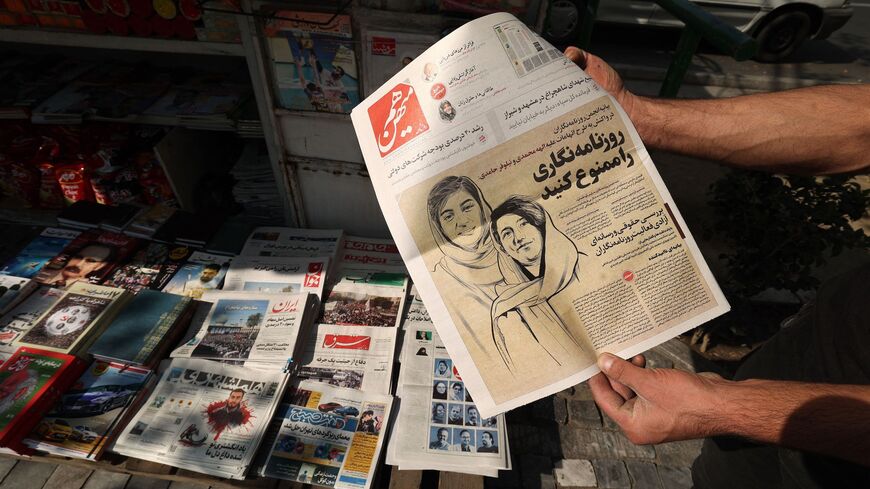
{"x":75,"y":318}
{"x":277,"y":274}
{"x":38,"y":252}
{"x":13,"y":290}
{"x":82,"y":422}
{"x":204,"y":416}
{"x":313,"y":61}
{"x":91,"y":257}
{"x":138,"y":331}
{"x":148,"y":266}
{"x":29,"y":382}
{"x":201,"y":273}
{"x":330,"y":437}
{"x":22,"y":317}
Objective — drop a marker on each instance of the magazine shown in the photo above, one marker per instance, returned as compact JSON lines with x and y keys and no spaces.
{"x":76,"y":319}
{"x":88,"y":414}
{"x":202,"y":272}
{"x":90,"y":257}
{"x":248,"y":326}
{"x":13,"y":290}
{"x":438,"y":426}
{"x":313,"y":61}
{"x":150,"y":268}
{"x":277,"y":275}
{"x":519,"y":146}
{"x":22,"y":317}
{"x":204,"y":416}
{"x":330,"y":437}
{"x":38,"y":252}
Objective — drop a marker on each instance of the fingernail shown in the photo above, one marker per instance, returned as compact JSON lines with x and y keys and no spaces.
{"x":605,"y":361}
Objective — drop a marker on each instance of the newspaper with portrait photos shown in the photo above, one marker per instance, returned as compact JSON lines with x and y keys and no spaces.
{"x":437,"y":424}
{"x":528,"y":212}
{"x":329,"y":436}
{"x":204,"y":416}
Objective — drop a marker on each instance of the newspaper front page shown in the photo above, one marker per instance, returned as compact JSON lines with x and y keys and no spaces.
{"x":438,"y":425}
{"x":529,"y":213}
{"x":330,"y":437}
{"x":204,"y":416}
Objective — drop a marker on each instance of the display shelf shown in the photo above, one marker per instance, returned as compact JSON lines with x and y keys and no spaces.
{"x":85,"y":40}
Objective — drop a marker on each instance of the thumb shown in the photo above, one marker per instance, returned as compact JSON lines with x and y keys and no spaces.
{"x":576,"y":55}
{"x":622,"y":371}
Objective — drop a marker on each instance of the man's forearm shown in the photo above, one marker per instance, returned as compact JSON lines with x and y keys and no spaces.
{"x":823,"y":418}
{"x":816,"y":130}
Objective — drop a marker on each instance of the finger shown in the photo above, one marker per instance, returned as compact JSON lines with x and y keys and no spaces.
{"x":603,"y":393}
{"x":622,"y":389}
{"x":639,"y":360}
{"x":576,"y":55}
{"x":621,"y":371}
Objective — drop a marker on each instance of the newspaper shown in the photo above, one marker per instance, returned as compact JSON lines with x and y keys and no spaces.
{"x":262,"y":328}
{"x":204,"y":416}
{"x":279,"y":241}
{"x":354,"y":343}
{"x":330,"y":437}
{"x":277,"y":274}
{"x":202,"y":272}
{"x":528,"y":212}
{"x":437,"y":425}
{"x":356,"y":357}
{"x":379,"y":254}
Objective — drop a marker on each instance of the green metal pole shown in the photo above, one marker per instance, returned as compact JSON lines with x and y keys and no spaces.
{"x":686,"y":47}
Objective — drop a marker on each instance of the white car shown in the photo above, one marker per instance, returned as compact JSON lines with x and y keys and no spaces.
{"x":780,"y":26}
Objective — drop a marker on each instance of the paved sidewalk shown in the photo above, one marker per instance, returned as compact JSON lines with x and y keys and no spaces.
{"x":564,"y":441}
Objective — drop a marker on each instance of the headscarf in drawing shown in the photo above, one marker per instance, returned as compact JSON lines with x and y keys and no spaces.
{"x":474,"y":268}
{"x":527,"y":294}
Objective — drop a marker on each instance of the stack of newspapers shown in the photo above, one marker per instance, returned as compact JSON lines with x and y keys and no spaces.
{"x":437,"y":423}
{"x":204,"y":416}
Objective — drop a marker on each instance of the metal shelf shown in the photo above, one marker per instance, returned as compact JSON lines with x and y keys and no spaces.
{"x":84,"y":40}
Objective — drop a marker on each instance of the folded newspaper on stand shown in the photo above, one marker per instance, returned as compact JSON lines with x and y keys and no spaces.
{"x":530,"y":215}
{"x":354,"y":342}
{"x":437,"y":425}
{"x":279,"y":241}
{"x":330,"y":437}
{"x":266,"y":329}
{"x":268,"y":274}
{"x":204,"y":416}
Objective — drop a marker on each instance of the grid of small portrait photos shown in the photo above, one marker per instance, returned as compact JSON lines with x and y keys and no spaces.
{"x":454,"y":422}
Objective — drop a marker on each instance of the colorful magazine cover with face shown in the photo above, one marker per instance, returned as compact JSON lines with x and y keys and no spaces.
{"x":91,"y":257}
{"x":201,"y":273}
{"x":38,"y":252}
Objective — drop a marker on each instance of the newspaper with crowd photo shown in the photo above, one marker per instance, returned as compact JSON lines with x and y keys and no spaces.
{"x":329,"y":436}
{"x":264,"y":329}
{"x":529,"y":213}
{"x":437,"y":424}
{"x":204,"y":414}
{"x":353,"y":344}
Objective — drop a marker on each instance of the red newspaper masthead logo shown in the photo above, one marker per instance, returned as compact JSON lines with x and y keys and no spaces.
{"x":397,"y":118}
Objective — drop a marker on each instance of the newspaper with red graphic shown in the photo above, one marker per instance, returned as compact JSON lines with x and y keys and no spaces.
{"x":528,"y":212}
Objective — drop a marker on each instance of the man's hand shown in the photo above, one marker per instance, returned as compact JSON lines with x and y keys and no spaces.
{"x":656,"y":405}
{"x":603,"y":75}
